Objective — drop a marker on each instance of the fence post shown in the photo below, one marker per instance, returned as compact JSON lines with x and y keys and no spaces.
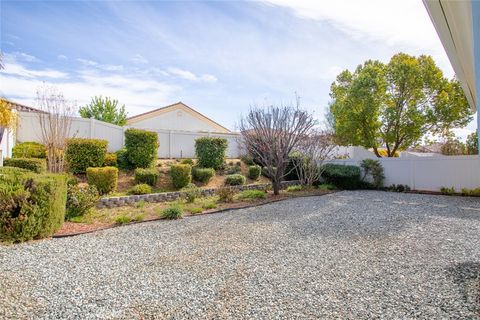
{"x":123,"y":136}
{"x":92,"y":128}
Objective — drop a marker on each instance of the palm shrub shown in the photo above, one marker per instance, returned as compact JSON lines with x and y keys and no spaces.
{"x":141,"y":147}
{"x":148,"y":176}
{"x":181,"y":175}
{"x":29,"y":150}
{"x":254,"y":172}
{"x":80,"y":200}
{"x":104,"y":178}
{"x":203,"y":175}
{"x":32,"y":206}
{"x":32,"y":164}
{"x":234,"y":180}
{"x":342,"y":176}
{"x":210,"y":152}
{"x":82,"y":153}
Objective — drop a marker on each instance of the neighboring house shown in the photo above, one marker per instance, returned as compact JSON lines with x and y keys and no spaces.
{"x":177,"y":116}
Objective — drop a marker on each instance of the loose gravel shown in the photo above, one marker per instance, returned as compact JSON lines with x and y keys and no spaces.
{"x":350,"y":255}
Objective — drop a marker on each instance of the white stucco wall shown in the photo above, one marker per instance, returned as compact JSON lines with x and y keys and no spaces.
{"x":174,"y":120}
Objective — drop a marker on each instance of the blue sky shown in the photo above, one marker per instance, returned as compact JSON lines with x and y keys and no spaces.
{"x":219,"y":57}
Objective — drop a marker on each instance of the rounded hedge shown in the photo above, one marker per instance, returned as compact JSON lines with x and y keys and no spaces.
{"x":211,"y":152}
{"x":181,"y":175}
{"x":31,"y":164}
{"x":148,"y":176}
{"x":141,"y":146}
{"x":82,"y":153}
{"x":29,"y":149}
{"x":342,"y":176}
{"x":234,"y":180}
{"x":104,"y":178}
{"x":140,"y":189}
{"x":203,"y":175}
{"x":254,"y":172}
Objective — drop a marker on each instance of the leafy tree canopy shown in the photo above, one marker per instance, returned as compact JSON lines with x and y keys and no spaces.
{"x":394,"y":105}
{"x":472,"y":143}
{"x":104,"y":109}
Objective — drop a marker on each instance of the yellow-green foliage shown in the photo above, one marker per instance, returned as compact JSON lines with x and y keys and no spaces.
{"x":29,"y":150}
{"x":83,"y":153}
{"x":140,"y":189}
{"x":7,"y":116}
{"x":110,"y":160}
{"x":181,"y":175}
{"x":252,"y":195}
{"x":294,"y":188}
{"x":104,"y":178}
{"x":148,"y":176}
{"x":32,"y":164}
{"x":32,"y":206}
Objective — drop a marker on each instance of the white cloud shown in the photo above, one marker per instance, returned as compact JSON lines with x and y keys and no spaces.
{"x":62,"y":57}
{"x":188,"y":75}
{"x":87,"y":63}
{"x":138,"y":58}
{"x":94,"y":64}
{"x":26,"y":57}
{"x":19,"y":70}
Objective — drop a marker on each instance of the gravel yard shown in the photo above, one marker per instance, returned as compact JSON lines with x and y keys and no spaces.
{"x":357,"y":255}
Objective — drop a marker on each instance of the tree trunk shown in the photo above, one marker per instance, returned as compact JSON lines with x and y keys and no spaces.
{"x":276,"y":187}
{"x":375,"y":150}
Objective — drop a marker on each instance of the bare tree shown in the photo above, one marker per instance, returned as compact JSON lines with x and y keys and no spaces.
{"x":311,"y":153}
{"x":55,"y":122}
{"x":271,"y":133}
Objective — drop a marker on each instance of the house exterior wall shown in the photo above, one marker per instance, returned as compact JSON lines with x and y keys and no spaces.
{"x":175,"y":119}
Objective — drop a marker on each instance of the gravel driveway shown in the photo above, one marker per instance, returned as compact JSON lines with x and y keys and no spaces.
{"x":353,"y":255}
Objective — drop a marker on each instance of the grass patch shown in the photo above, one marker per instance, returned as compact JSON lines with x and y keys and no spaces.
{"x":326,"y":187}
{"x":195,"y":210}
{"x":123,"y":219}
{"x":294,"y":188}
{"x":252,"y":195}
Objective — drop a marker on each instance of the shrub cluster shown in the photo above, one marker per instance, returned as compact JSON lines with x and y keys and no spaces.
{"x":29,"y":150}
{"x":148,"y":176}
{"x":173,"y":212}
{"x":235,"y":180}
{"x":32,"y":206}
{"x":82,"y":153}
{"x":80,"y":200}
{"x":374,"y":169}
{"x":211,"y":152}
{"x":233,"y":169}
{"x":342,"y":176}
{"x":32,"y":164}
{"x":254,"y":172}
{"x":226,"y":194}
{"x":141,"y":146}
{"x":110,"y":160}
{"x":142,"y":188}
{"x":191,"y":192}
{"x":181,"y":175}
{"x":203,"y":175}
{"x":104,"y":179}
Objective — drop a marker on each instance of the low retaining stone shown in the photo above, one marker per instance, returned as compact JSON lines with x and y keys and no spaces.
{"x":170,"y":196}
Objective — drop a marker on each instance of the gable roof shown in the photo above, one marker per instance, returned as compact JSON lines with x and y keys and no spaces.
{"x":175,"y":106}
{"x":22,"y":107}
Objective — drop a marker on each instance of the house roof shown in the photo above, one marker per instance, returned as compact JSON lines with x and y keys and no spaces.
{"x":178,"y":105}
{"x":22,"y":107}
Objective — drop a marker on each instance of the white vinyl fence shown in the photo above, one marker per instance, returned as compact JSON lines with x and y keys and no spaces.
{"x":429,"y":173}
{"x":173,"y":143}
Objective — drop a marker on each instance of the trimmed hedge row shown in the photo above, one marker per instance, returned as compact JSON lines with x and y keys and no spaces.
{"x":211,"y":152}
{"x":342,"y":176}
{"x":234,"y":180}
{"x":203,"y":175}
{"x":104,"y":179}
{"x":83,"y":153}
{"x":29,"y":150}
{"x":32,"y":206}
{"x":148,"y":176}
{"x":31,"y":164}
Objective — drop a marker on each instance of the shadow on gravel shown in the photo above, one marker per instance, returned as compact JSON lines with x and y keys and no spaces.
{"x":466,"y":275}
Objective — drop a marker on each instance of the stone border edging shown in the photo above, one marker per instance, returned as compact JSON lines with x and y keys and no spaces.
{"x":113,"y":202}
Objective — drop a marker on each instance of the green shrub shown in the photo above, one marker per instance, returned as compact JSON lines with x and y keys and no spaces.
{"x":29,"y":150}
{"x":191,"y":192}
{"x":254,"y":172}
{"x":233,"y":169}
{"x":142,"y":188}
{"x":148,"y":176}
{"x":104,"y":178}
{"x":247,"y":159}
{"x":374,"y":169}
{"x":122,"y":161}
{"x":294,"y":188}
{"x":447,"y":191}
{"x":110,"y":160}
{"x":252,"y":195}
{"x":342,"y":176}
{"x":234,"y":180}
{"x":187,"y":161}
{"x":32,"y":206}
{"x":203,"y":175}
{"x":195,"y":210}
{"x":141,"y":147}
{"x":211,"y":204}
{"x":399,"y":188}
{"x":83,"y":153}
{"x":211,"y":152}
{"x":181,"y":175}
{"x":123,"y":219}
{"x":471,"y":192}
{"x":32,"y":164}
{"x":226,"y":194}
{"x":80,"y":200}
{"x":326,"y":186}
{"x":172,"y":212}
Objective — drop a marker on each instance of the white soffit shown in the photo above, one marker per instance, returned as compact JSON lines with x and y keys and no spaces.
{"x":453,"y":22}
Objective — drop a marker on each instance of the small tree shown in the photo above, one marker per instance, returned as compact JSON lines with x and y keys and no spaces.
{"x":7,"y":115}
{"x":310,"y":155}
{"x":453,"y":147}
{"x":271,"y":133}
{"x":105,"y":109}
{"x":55,"y":121}
{"x":472,"y":143}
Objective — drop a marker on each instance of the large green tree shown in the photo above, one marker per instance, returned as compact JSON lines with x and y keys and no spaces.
{"x":394,"y":105}
{"x":104,"y":109}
